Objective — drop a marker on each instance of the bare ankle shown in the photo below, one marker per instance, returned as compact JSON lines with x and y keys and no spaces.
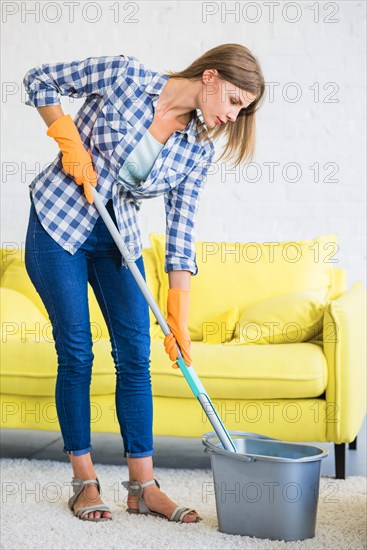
{"x":140,"y":469}
{"x":83,"y":466}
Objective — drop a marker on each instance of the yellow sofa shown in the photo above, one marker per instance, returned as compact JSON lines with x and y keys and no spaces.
{"x":278,"y":342}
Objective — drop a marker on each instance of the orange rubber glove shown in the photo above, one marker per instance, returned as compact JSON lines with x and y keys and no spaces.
{"x":178,"y":303}
{"x":76,"y":161}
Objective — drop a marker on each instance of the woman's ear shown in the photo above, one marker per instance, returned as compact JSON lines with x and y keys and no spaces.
{"x":209,"y":75}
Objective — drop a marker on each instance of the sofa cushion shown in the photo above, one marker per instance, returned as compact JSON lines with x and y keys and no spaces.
{"x":286,"y":319}
{"x":249,"y":372}
{"x":29,"y":364}
{"x":243,"y":274}
{"x":14,"y":276}
{"x":219,"y":329}
{"x":21,"y":320}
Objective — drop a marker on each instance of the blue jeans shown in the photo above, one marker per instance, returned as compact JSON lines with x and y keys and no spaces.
{"x":61,"y":279}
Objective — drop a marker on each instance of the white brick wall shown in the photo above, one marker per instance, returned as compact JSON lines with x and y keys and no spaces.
{"x":311,"y":132}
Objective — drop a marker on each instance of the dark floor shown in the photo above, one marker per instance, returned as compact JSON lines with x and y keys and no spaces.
{"x":169,"y":452}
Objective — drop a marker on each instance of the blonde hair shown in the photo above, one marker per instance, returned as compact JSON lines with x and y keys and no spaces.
{"x":237,"y":65}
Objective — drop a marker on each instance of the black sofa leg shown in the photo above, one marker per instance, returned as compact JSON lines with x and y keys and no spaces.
{"x":339,"y":451}
{"x":353,"y":444}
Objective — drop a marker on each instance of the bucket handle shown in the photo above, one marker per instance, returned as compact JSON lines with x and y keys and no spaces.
{"x":210,"y":448}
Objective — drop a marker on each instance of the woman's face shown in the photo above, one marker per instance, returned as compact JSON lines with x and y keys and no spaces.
{"x":221,"y":100}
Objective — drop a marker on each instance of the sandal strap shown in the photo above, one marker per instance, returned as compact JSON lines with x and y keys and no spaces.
{"x":180,"y":512}
{"x":96,"y":508}
{"x":135,"y":488}
{"x":78,"y":486}
{"x":150,"y":482}
{"x":78,"y":482}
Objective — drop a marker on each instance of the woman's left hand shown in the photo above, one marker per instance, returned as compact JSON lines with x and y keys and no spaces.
{"x":178,"y":319}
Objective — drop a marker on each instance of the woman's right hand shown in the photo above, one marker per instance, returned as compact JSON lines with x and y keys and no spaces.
{"x":76,"y":161}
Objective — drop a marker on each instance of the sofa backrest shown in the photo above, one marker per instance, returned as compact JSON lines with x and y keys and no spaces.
{"x":242,"y":274}
{"x":217,"y":286}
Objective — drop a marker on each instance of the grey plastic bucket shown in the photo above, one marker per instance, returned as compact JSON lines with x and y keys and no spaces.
{"x":269,"y":489}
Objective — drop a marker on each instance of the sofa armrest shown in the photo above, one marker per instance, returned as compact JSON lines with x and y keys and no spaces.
{"x":344,"y":335}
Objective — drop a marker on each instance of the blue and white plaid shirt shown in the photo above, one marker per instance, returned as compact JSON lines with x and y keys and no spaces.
{"x":121,"y":94}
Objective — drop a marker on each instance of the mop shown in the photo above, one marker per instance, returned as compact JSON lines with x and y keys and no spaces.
{"x":252,"y":460}
{"x":188,"y":372}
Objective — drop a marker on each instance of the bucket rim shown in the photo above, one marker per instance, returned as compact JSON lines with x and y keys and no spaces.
{"x":210,"y":448}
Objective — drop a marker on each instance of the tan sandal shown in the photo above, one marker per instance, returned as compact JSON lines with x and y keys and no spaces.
{"x":82,"y":513}
{"x":135,"y":488}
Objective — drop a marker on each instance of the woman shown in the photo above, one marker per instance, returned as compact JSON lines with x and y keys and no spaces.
{"x":137,"y":135}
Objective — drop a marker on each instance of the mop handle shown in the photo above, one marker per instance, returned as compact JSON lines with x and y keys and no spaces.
{"x":189,"y":372}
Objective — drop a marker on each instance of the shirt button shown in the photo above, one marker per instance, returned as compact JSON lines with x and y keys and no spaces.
{"x":89,"y":228}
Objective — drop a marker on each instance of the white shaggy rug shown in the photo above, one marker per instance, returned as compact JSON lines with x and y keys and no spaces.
{"x":35,"y":513}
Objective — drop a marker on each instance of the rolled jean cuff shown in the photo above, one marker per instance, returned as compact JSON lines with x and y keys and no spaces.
{"x":138,"y":455}
{"x":78,"y":453}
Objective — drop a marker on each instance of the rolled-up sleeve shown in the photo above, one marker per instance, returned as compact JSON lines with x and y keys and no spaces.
{"x":46,"y":83}
{"x":181,"y":205}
